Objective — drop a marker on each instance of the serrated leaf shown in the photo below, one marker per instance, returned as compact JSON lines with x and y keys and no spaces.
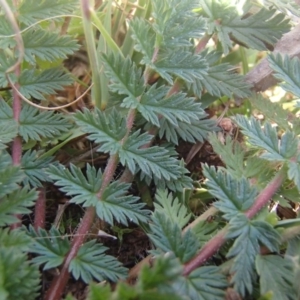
{"x":281,"y":272}
{"x":294,"y":172}
{"x":7,"y":133}
{"x":51,"y":247}
{"x":287,"y":70}
{"x":203,"y":283}
{"x":39,"y":84}
{"x":231,"y":153}
{"x":17,"y":202}
{"x":235,"y":195}
{"x":32,"y":11}
{"x":182,"y":64}
{"x":115,"y":204}
{"x":10,"y":175}
{"x":47,"y":45}
{"x":153,"y":161}
{"x":195,"y":131}
{"x":267,"y":138}
{"x":6,"y":34}
{"x":284,"y":6}
{"x":250,"y":235}
{"x":171,"y":208}
{"x":255,"y":31}
{"x":83,"y":190}
{"x":220,"y":81}
{"x":124,"y":75}
{"x":107,"y":129}
{"x":176,"y":23}
{"x":35,"y":124}
{"x":34,"y":168}
{"x":14,"y":240}
{"x":5,"y":63}
{"x":90,"y":262}
{"x":154,"y":103}
{"x":167,"y":236}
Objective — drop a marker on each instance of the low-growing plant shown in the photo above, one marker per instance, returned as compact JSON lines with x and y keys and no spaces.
{"x":159,"y":71}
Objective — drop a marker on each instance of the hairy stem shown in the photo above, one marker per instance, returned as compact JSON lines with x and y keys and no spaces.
{"x":40,"y":210}
{"x":217,"y":241}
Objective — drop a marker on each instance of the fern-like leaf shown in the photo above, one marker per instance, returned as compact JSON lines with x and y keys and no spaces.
{"x":281,"y":271}
{"x":267,"y":139}
{"x":287,"y":70}
{"x":254,"y":31}
{"x":154,"y":103}
{"x":183,"y":64}
{"x":39,"y":84}
{"x":50,"y":247}
{"x":171,"y":208}
{"x":17,"y":202}
{"x":235,"y":195}
{"x":176,"y":23}
{"x":47,"y":45}
{"x":10,"y":176}
{"x":115,"y":204}
{"x":7,"y":133}
{"x":125,"y":77}
{"x":5,"y":63}
{"x":36,"y":125}
{"x":34,"y":168}
{"x":153,"y":161}
{"x":203,"y":283}
{"x":14,"y":240}
{"x":195,"y":131}
{"x":294,"y":172}
{"x":107,"y":129}
{"x":6,"y":34}
{"x":83,"y":190}
{"x":90,"y":262}
{"x":167,"y":237}
{"x":250,"y":235}
{"x":32,"y":11}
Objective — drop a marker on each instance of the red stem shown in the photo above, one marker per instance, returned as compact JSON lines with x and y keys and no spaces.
{"x":217,"y":241}
{"x":40,"y":210}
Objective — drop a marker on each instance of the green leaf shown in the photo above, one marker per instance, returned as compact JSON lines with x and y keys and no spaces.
{"x":32,"y":11}
{"x":294,"y":172}
{"x":250,"y":235}
{"x":231,"y":153}
{"x":235,"y":195}
{"x":203,"y":283}
{"x":14,"y":240}
{"x":35,"y":124}
{"x":10,"y":176}
{"x":153,"y":161}
{"x":17,"y":202}
{"x":7,"y":133}
{"x":281,"y":272}
{"x":274,"y":112}
{"x":284,"y":6}
{"x":176,"y":23}
{"x":115,"y":204}
{"x":175,"y":211}
{"x":34,"y":168}
{"x":47,"y":45}
{"x":174,"y":108}
{"x":267,"y":139}
{"x":220,"y":81}
{"x":83,"y":190}
{"x":5,"y":63}
{"x":6,"y":114}
{"x":90,"y":262}
{"x":287,"y":70}
{"x":19,"y":278}
{"x":107,"y":129}
{"x":51,"y":247}
{"x":167,"y":236}
{"x":125,"y":77}
{"x":144,"y":37}
{"x":39,"y":84}
{"x":6,"y":36}
{"x":255,"y":30}
{"x":183,"y":64}
{"x":195,"y":131}
{"x":99,"y":292}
